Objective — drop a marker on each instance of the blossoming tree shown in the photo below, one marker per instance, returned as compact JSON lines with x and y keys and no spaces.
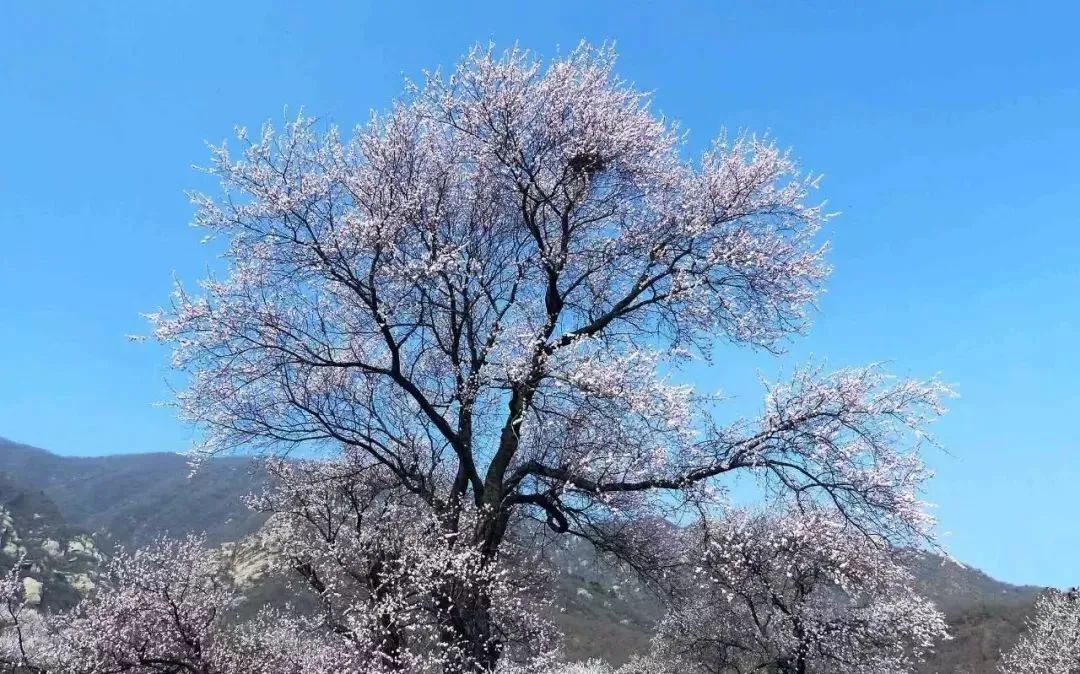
{"x":165,"y":609}
{"x":796,"y":593}
{"x":1052,"y":640}
{"x":160,"y":611}
{"x":486,"y":291}
{"x":20,"y":628}
{"x":380,"y":564}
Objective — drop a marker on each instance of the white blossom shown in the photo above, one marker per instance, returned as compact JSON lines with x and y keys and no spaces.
{"x":490,"y":292}
{"x":1052,"y":640}
{"x":797,"y":592}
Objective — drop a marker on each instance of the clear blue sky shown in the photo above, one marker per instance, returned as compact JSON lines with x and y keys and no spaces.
{"x":949,"y":134}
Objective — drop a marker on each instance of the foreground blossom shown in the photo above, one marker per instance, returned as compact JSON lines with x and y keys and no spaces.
{"x":22,"y":632}
{"x":385,"y":571}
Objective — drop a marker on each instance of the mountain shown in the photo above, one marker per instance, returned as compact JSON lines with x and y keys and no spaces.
{"x":59,"y":562}
{"x":980,"y":633}
{"x":985,"y":615}
{"x":956,"y":586}
{"x":128,"y":499}
{"x":50,"y":501}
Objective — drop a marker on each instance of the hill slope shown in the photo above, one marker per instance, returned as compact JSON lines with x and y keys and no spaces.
{"x":129,"y":499}
{"x":59,"y":562}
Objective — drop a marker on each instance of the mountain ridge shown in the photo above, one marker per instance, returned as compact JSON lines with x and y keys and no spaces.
{"x":129,"y":499}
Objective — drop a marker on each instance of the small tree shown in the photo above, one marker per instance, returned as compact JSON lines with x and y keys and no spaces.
{"x":164,"y":609}
{"x":21,"y":629}
{"x":796,"y":593}
{"x":160,"y":611}
{"x":1052,"y":640}
{"x":481,"y":291}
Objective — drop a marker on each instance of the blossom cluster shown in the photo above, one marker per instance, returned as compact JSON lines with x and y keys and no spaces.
{"x":801,"y":592}
{"x":1052,"y":640}
{"x":391,"y":576}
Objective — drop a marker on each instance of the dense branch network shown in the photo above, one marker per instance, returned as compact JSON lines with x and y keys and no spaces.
{"x":795,"y":593}
{"x":479,"y":290}
{"x":487,"y":295}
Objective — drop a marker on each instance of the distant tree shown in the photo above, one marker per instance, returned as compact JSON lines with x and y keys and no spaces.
{"x":792,"y":594}
{"x":1052,"y":640}
{"x":485,"y":291}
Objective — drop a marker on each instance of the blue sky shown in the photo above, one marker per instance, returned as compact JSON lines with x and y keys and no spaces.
{"x":949,"y":135}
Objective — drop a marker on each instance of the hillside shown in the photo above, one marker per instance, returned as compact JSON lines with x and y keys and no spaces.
{"x":59,"y":561}
{"x":953,"y":585}
{"x":129,"y":499}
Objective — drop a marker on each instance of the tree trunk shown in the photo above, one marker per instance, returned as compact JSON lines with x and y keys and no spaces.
{"x":796,"y":664}
{"x":791,"y":665}
{"x":468,"y":634}
{"x":468,"y":631}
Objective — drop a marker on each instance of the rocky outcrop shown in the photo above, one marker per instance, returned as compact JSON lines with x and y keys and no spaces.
{"x":59,"y":564}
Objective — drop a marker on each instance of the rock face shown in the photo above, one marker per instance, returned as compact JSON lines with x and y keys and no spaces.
{"x":32,"y":590}
{"x":59,"y":562}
